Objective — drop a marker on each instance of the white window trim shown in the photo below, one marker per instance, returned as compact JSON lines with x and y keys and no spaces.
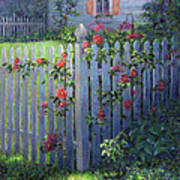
{"x":110,"y":7}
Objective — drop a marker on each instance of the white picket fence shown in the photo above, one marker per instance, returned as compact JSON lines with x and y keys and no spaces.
{"x":20,"y":26}
{"x":22,"y":116}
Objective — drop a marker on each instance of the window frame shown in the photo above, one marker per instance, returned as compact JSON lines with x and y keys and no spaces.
{"x":95,"y":7}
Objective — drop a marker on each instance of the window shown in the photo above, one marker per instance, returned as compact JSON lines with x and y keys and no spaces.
{"x":95,"y":7}
{"x":102,"y":6}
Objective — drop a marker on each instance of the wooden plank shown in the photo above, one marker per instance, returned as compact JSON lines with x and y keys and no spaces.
{"x":137,"y":89}
{"x":60,"y":123}
{"x":173,"y":70}
{"x":34,"y":107}
{"x":147,"y":84}
{"x":94,"y":105}
{"x":156,"y":75}
{"x":116,"y":106}
{"x":51,"y":104}
{"x":106,"y":86}
{"x":10,"y":101}
{"x":127,"y":91}
{"x":25,"y":115}
{"x":165,"y":76}
{"x":81,"y":110}
{"x":42,"y":131}
{"x":69,"y":161}
{"x":17,"y":105}
{"x":3,"y":100}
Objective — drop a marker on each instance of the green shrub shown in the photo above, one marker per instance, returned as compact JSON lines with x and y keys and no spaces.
{"x":152,"y":143}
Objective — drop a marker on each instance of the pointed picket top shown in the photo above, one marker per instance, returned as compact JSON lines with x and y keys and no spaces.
{"x":146,"y":46}
{"x":94,"y":50}
{"x":60,"y":50}
{"x":34,"y":52}
{"x":51,"y":52}
{"x":11,"y":55}
{"x":127,"y":52}
{"x":156,"y":48}
{"x":18,"y":52}
{"x":117,"y":45}
{"x":106,"y":46}
{"x":174,"y":43}
{"x":4,"y":54}
{"x":42,"y":51}
{"x":26,"y":53}
{"x":136,"y":45}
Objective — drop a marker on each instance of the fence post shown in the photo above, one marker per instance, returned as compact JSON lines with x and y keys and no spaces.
{"x":81,"y":106}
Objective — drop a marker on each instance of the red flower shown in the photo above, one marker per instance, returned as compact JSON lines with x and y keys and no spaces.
{"x":161,"y":85}
{"x":133,"y":91}
{"x":138,"y":35}
{"x":53,"y":138}
{"x":15,"y":67}
{"x":65,"y":16}
{"x":48,"y":146}
{"x":64,"y":54}
{"x":101,"y":114}
{"x":128,"y":105}
{"x":61,"y":63}
{"x":131,"y":36}
{"x":134,"y":73}
{"x":61,"y":93}
{"x":115,"y":68}
{"x":125,"y":78}
{"x":168,"y":56}
{"x":96,"y":28}
{"x":86,"y":44}
{"x":101,"y":26}
{"x":153,"y":108}
{"x":16,"y":61}
{"x":97,"y":39}
{"x":54,"y":18}
{"x":63,"y":104}
{"x":39,"y":60}
{"x":44,"y":104}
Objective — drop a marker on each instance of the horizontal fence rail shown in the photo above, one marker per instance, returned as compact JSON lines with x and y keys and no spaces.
{"x":24,"y":123}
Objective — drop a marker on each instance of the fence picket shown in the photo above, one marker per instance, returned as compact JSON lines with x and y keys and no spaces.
{"x":146,"y":84}
{"x":173,"y":70}
{"x":81,"y":97}
{"x":3,"y":101}
{"x":69,"y":162}
{"x":137,"y":89}
{"x":106,"y":87}
{"x":34,"y":107}
{"x":156,"y":75}
{"x":95,"y":104}
{"x":116,"y":106}
{"x":18,"y":105}
{"x":165,"y":76}
{"x":41,"y":100}
{"x":127,"y":91}
{"x":25,"y":111}
{"x":10,"y":101}
{"x":60,"y":123}
{"x":51,"y":105}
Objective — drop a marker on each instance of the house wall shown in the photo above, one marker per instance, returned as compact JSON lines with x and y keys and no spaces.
{"x":126,"y":7}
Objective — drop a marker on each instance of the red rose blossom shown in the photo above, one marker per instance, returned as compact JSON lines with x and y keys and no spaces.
{"x":86,"y":44}
{"x":63,"y":104}
{"x":161,"y":85}
{"x":128,"y":105}
{"x":115,"y":68}
{"x":131,"y":36}
{"x":101,"y":114}
{"x":97,"y":39}
{"x":61,"y":93}
{"x":53,"y":138}
{"x":64,"y":54}
{"x":44,"y":104}
{"x":16,"y":67}
{"x":39,"y":60}
{"x":153,"y":108}
{"x":134,"y":73}
{"x":168,"y":56}
{"x":61,"y":63}
{"x":17,"y":61}
{"x":125,"y":78}
{"x":48,"y":146}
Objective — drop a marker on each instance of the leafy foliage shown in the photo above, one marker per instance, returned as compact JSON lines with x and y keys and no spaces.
{"x":162,"y":17}
{"x":152,"y":143}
